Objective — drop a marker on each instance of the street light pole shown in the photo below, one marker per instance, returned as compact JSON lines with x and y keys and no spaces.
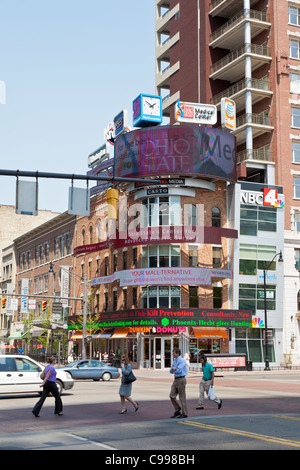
{"x":265,"y":269}
{"x":84,"y":316}
{"x":84,"y":302}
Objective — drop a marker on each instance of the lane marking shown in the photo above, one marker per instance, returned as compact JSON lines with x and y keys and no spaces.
{"x":210,"y":427}
{"x":99,"y":444}
{"x":286,"y":417}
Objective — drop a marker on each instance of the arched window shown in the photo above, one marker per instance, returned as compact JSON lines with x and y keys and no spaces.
{"x":83,"y":236}
{"x":215,"y":217}
{"x":91,"y":234}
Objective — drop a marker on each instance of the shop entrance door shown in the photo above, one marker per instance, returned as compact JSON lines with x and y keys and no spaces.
{"x":162,"y":353}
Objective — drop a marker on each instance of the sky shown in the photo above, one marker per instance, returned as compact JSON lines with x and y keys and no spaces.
{"x":68,"y":67}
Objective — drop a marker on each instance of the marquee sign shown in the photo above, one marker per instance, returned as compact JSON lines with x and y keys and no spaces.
{"x":169,"y":317}
{"x":176,"y":150}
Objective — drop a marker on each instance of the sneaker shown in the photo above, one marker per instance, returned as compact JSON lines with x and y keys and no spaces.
{"x":220,"y":404}
{"x":182,"y":416}
{"x":200,"y":408}
{"x":177,"y":413}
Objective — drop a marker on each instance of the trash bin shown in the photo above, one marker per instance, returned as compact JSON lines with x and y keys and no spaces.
{"x":249,"y":365}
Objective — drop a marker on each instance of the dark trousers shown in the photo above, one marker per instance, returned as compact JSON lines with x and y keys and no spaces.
{"x":49,"y":387}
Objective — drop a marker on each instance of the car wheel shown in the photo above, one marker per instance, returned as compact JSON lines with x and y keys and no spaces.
{"x":106,"y":376}
{"x":59,"y":386}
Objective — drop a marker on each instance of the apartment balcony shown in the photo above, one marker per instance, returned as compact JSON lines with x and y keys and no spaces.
{"x":232,"y":67}
{"x":163,"y":3}
{"x":162,"y":24}
{"x":260,"y":89}
{"x":168,"y":101}
{"x":255,"y":155}
{"x":162,"y":51}
{"x":260,"y":124}
{"x":227,"y":8}
{"x":162,"y":79}
{"x":231,"y":34}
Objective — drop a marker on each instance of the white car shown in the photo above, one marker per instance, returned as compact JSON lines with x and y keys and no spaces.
{"x":21,"y":374}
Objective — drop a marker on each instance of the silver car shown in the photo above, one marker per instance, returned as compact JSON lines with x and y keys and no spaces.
{"x":21,"y":374}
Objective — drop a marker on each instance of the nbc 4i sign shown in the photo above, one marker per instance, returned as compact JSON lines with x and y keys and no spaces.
{"x":228,"y":114}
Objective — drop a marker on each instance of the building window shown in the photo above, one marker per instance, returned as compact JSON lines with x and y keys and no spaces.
{"x":160,"y":296}
{"x":294,"y":16}
{"x":106,"y":266}
{"x":154,"y":256}
{"x":250,"y":341}
{"x":215,"y":217}
{"x":217,"y":297}
{"x":134,"y":257}
{"x":296,"y":152}
{"x":158,"y":211}
{"x":115,"y":262}
{"x":105,"y":307}
{"x":295,"y":117}
{"x":294,"y":49}
{"x":124,"y":299}
{"x":124,"y":260}
{"x":193,"y":256}
{"x":217,"y":256}
{"x":295,"y":83}
{"x":134,"y":297}
{"x":251,"y":297}
{"x":298,"y":301}
{"x":253,"y":257}
{"x":256,"y":218}
{"x":83,"y":236}
{"x":91,"y":235}
{"x":297,"y":259}
{"x":296,"y":185}
{"x":115,"y":300}
{"x":193,"y":296}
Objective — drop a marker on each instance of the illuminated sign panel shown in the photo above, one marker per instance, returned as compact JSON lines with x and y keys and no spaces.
{"x":169,"y":317}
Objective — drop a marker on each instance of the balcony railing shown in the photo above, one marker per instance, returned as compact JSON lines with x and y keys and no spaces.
{"x":252,"y":14}
{"x":255,"y":154}
{"x":256,"y":83}
{"x":262,"y":119}
{"x":259,"y":49}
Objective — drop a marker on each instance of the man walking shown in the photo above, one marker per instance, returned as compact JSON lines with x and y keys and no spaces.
{"x":179,"y":369}
{"x":207,"y":382}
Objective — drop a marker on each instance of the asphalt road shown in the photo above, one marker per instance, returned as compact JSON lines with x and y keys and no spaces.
{"x":261,"y":411}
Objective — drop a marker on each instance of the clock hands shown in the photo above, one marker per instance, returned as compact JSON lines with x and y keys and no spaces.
{"x":151,"y":105}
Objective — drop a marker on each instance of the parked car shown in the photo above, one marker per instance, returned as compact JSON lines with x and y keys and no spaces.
{"x":91,"y":369}
{"x":21,"y":374}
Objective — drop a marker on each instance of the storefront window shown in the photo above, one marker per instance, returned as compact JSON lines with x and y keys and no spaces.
{"x":251,"y":342}
{"x":198,"y":347}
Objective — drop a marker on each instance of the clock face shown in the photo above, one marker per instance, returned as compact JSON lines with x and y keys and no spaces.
{"x":151,"y":105}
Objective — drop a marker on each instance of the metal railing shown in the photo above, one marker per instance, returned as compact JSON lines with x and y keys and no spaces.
{"x":257,"y":83}
{"x":235,"y":20}
{"x":259,"y":49}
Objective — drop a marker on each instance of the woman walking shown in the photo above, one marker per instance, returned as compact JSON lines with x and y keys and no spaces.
{"x":125,"y":388}
{"x":49,"y":386}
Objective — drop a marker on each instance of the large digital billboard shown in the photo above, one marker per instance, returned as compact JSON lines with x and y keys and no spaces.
{"x":176,"y":150}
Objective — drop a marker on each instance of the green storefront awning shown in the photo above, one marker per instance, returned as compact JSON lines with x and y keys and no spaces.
{"x":16,"y":335}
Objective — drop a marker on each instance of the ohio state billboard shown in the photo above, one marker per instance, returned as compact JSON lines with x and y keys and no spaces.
{"x":176,"y":150}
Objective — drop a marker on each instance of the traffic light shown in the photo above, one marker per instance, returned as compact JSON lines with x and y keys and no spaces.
{"x":3,"y":302}
{"x":112,"y":197}
{"x":44,"y":305}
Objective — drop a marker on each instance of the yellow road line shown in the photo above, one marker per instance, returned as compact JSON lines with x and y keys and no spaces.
{"x":276,"y":440}
{"x":286,"y":417}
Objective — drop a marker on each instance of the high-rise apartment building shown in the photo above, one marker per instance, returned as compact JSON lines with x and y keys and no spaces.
{"x":249,"y":51}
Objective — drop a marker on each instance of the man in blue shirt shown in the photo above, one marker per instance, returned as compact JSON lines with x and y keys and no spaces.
{"x":207,"y":382}
{"x":179,"y":369}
